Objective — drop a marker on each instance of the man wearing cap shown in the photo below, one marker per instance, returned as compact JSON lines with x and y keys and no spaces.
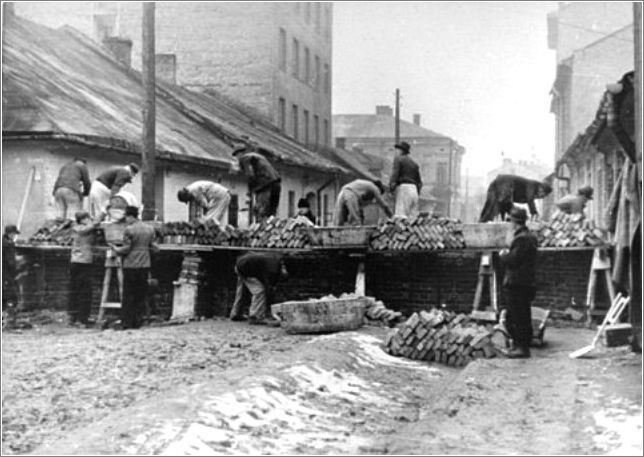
{"x":80,"y":294}
{"x":304,"y":210}
{"x":405,"y":182}
{"x":353,"y":197}
{"x":519,"y":283}
{"x":571,"y":204}
{"x":211,"y":197}
{"x":9,"y":268}
{"x":138,"y":243}
{"x":71,"y":186}
{"x":264,"y":181}
{"x":106,"y":185}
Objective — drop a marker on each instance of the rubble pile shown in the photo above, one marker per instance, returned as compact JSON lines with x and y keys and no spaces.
{"x":207,"y":232}
{"x":422,"y":232}
{"x":568,"y":230}
{"x":441,"y":336}
{"x":278,"y":233}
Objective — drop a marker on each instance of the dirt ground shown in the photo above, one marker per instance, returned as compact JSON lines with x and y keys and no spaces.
{"x":216,"y":387}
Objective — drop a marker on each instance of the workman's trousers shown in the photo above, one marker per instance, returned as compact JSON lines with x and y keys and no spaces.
{"x":267,"y":200}
{"x":348,"y":209}
{"x":99,"y":198}
{"x":258,"y":304}
{"x":219,"y":211}
{"x":135,"y":291}
{"x":518,"y":301}
{"x":68,"y":202}
{"x":80,"y":296}
{"x":406,"y":200}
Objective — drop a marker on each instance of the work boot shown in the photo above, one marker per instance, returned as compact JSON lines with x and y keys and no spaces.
{"x":237,"y":318}
{"x":519,"y":352}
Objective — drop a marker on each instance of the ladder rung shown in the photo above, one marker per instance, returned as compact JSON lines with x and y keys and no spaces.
{"x":110,"y":304}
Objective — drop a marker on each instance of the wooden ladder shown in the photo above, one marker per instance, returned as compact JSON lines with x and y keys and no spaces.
{"x":600,"y":266}
{"x":112,"y":263}
{"x":486,"y":273}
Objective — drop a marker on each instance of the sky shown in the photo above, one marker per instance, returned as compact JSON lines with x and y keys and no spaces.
{"x":479,"y":72}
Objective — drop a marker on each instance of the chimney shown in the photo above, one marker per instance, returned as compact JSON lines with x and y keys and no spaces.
{"x":384,"y":110}
{"x":166,"y":67}
{"x":120,"y":48}
{"x":417,"y":119}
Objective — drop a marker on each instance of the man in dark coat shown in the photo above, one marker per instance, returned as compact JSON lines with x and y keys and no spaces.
{"x":71,"y":186}
{"x":264,"y":181}
{"x":304,"y":210}
{"x":80,"y":280}
{"x":506,"y":190}
{"x":108,"y":184}
{"x":9,"y":268}
{"x":138,"y":244}
{"x":405,"y":182}
{"x":519,"y":283}
{"x":257,"y":273}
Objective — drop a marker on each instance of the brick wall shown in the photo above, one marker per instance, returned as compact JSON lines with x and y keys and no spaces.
{"x":408,"y":283}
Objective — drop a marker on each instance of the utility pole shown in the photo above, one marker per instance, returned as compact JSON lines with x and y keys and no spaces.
{"x":149,"y":114}
{"x":449,"y":181}
{"x":397,"y":125}
{"x":467,"y":195}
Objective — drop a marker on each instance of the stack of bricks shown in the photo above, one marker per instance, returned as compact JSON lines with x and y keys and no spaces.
{"x":278,"y":233}
{"x":191,"y":270}
{"x":54,"y":233}
{"x":208,"y":233}
{"x":419,"y":233}
{"x":569,"y":230}
{"x":441,"y":336}
{"x":377,"y":314}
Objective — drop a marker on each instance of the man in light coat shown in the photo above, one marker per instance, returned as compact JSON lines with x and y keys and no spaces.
{"x":353,"y":197}
{"x":211,"y":197}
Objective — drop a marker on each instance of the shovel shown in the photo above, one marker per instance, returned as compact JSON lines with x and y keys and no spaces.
{"x":611,"y":317}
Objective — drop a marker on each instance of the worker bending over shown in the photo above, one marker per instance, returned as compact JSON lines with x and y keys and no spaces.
{"x":353,"y":197}
{"x":264,"y":182}
{"x":571,"y":204}
{"x":108,"y":184}
{"x":211,"y":197}
{"x":71,"y":186}
{"x":257,"y":273}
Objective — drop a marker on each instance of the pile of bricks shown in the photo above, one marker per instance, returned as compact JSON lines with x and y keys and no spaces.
{"x":55,"y":232}
{"x":191,"y":270}
{"x":377,"y":314}
{"x":200,"y":233}
{"x":568,"y":230}
{"x":419,"y":233}
{"x":441,"y":336}
{"x":278,"y":233}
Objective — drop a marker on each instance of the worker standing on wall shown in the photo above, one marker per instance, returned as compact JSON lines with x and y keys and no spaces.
{"x":108,"y":184}
{"x":571,"y":204}
{"x":71,"y":186}
{"x":304,"y":211}
{"x":211,"y":197}
{"x":80,"y":281}
{"x":519,"y":283}
{"x":405,"y":182}
{"x":353,"y":197}
{"x":264,"y":182}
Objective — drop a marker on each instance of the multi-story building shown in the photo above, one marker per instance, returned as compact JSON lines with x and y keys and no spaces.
{"x":438,"y":156}
{"x":594,"y":44}
{"x":272,"y":57}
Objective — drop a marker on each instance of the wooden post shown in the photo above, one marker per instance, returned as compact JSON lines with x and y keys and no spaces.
{"x":149,"y":113}
{"x":397,"y":121}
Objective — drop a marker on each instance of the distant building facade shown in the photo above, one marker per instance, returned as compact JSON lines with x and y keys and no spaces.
{"x":273,"y":57}
{"x":438,"y":156}
{"x":594,"y":44}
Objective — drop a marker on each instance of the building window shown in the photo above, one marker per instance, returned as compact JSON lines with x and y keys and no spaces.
{"x":326,"y":132}
{"x":317,"y":17}
{"x":317,"y":72}
{"x":307,"y":14}
{"x":281,"y":114}
{"x":295,"y":123}
{"x":441,"y":174}
{"x":282,"y":50}
{"x":327,"y":79}
{"x":233,"y":210}
{"x":307,"y":65}
{"x":296,"y":58}
{"x":291,"y":203}
{"x":316,"y":130}
{"x":306,"y":127}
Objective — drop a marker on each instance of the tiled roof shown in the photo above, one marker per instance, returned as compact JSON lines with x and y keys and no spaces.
{"x":377,"y":126}
{"x":58,"y":82}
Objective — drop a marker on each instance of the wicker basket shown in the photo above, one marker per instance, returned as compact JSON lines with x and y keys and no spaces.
{"x":343,"y":236}
{"x":321,"y":316}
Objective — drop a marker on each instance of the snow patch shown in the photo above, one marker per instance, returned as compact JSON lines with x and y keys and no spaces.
{"x":621,"y":429}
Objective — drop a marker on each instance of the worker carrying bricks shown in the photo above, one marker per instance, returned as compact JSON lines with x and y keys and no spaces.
{"x":353,"y":197}
{"x":257,"y":274}
{"x":264,"y":182}
{"x":138,"y":246}
{"x":571,"y":204}
{"x":519,"y":283}
{"x":405,"y":182}
{"x":211,"y":197}
{"x":108,"y":184}
{"x":71,"y":186}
